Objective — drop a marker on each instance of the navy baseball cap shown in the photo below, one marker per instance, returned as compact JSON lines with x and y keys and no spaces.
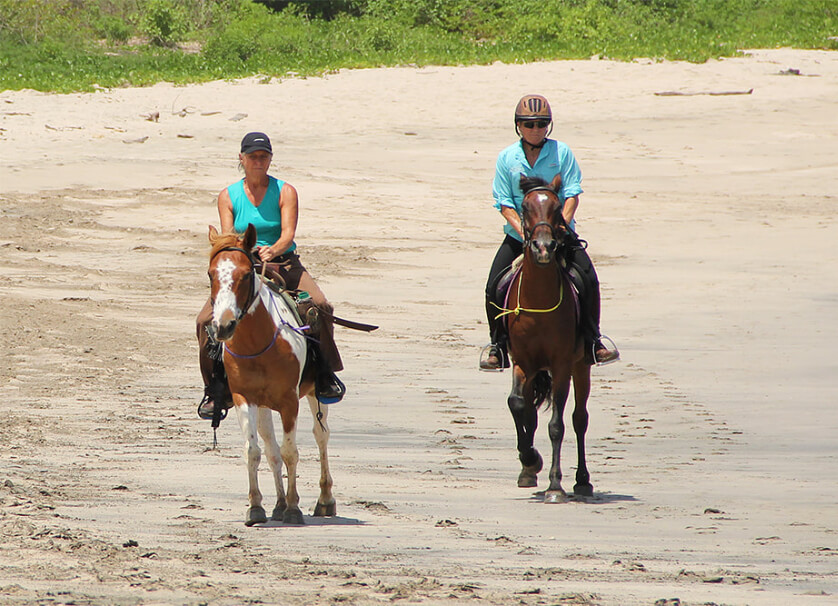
{"x":256,"y":142}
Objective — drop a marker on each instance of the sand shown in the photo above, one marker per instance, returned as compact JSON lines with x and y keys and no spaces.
{"x":712,"y":444}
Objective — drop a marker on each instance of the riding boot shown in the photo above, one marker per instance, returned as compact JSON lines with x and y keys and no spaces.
{"x":217,"y":397}
{"x":216,"y":389}
{"x":589,"y":301}
{"x":494,"y":356}
{"x":328,"y":388}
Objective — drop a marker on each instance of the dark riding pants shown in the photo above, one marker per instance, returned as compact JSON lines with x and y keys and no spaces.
{"x":581,"y":266}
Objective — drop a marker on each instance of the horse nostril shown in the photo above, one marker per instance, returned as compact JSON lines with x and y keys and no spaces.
{"x":225,"y":330}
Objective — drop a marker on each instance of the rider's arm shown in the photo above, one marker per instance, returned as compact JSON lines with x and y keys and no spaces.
{"x":502,"y":186}
{"x":503,"y":192}
{"x":512,"y":217}
{"x":571,"y":182}
{"x":289,"y":214}
{"x":225,"y":211}
{"x":569,"y":208}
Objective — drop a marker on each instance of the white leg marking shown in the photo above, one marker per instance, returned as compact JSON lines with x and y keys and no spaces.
{"x":266,"y":430}
{"x":290,"y":456}
{"x":248,"y":420}
{"x":321,"y":436}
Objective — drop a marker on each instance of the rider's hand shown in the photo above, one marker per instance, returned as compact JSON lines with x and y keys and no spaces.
{"x":266,"y":253}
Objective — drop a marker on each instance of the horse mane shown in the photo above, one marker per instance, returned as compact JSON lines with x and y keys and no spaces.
{"x":529,"y":183}
{"x":225,"y":240}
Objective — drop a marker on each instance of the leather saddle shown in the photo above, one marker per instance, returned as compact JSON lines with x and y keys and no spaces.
{"x":500,"y":291}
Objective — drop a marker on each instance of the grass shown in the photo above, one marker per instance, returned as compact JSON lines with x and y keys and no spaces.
{"x":77,"y":45}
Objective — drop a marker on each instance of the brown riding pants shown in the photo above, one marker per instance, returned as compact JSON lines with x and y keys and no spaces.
{"x":296,"y":278}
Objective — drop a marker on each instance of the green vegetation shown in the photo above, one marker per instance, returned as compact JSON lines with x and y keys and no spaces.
{"x":72,"y":45}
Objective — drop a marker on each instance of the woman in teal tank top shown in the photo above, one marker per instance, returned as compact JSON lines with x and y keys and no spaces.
{"x":272,"y":206}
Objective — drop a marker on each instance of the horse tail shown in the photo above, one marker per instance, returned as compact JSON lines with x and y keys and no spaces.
{"x":542,"y":389}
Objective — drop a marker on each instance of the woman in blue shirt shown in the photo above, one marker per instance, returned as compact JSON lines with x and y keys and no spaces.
{"x":272,"y":206}
{"x":535,"y":155}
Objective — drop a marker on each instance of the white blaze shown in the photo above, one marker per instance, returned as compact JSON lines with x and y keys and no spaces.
{"x":225,"y":298}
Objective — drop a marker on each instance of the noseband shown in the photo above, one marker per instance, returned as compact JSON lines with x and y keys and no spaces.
{"x":251,"y":295}
{"x":528,"y":233}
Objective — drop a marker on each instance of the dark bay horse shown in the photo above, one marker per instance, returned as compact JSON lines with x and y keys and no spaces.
{"x":264,"y":356}
{"x":545,"y":344}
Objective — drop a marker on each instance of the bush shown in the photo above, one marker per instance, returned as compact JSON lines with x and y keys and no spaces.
{"x":54,"y":45}
{"x":31,"y":21}
{"x":322,"y":9}
{"x":113,"y":28}
{"x":164,"y":22}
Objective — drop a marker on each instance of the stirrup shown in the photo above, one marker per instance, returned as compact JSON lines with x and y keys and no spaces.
{"x":612,"y":348}
{"x":207,"y":416}
{"x":485,"y":353}
{"x":338,"y":390}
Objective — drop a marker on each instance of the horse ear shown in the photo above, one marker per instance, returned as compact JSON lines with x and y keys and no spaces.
{"x":249,"y":239}
{"x":213,"y":233}
{"x":556,"y":183}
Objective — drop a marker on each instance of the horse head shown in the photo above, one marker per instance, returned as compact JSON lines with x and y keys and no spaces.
{"x":232,"y":287}
{"x":545,"y":229}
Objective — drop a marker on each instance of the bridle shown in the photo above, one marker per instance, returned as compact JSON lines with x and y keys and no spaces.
{"x":254,"y":297}
{"x":253,"y":294}
{"x":529,"y":233}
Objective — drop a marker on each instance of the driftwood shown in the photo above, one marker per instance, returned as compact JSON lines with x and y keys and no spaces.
{"x":673,"y":93}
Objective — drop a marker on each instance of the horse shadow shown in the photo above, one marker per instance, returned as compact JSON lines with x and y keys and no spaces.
{"x":599,"y":498}
{"x":314,"y":521}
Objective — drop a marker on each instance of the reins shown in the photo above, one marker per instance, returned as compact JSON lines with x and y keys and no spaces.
{"x":528,"y":235}
{"x":518,"y":309}
{"x":282,"y":322}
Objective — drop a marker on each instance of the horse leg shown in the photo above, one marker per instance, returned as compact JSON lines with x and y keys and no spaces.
{"x":266,"y":430}
{"x":581,"y":390}
{"x":291,"y":456}
{"x":526,"y":421}
{"x":561,"y":387}
{"x":248,"y":420}
{"x":326,"y":502}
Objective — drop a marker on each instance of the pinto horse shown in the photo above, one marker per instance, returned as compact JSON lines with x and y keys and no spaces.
{"x":264,"y":356}
{"x":545,"y":344}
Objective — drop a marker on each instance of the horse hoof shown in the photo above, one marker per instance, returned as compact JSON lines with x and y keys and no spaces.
{"x":532,"y":463}
{"x":255,"y":515}
{"x":325,"y":511}
{"x":293,"y":516}
{"x":555,"y":496}
{"x":583,"y":490}
{"x":279,"y":509}
{"x":529,"y":471}
{"x":527,"y":480}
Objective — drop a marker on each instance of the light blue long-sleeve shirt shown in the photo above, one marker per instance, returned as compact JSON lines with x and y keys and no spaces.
{"x":555,"y":158}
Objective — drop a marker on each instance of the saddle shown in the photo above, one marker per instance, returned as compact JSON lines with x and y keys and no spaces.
{"x":299,"y":301}
{"x":304,"y":305}
{"x":500,"y":291}
{"x":306,"y":313}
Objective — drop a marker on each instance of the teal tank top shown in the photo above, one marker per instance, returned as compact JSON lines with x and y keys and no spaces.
{"x":265,"y":217}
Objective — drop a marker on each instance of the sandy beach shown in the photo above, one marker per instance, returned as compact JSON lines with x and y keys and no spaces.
{"x":710,"y":191}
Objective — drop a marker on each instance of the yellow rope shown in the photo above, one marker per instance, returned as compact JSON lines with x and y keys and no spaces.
{"x":518,"y":309}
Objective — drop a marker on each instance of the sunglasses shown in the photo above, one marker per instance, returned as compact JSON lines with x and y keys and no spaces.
{"x":535,"y":124}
